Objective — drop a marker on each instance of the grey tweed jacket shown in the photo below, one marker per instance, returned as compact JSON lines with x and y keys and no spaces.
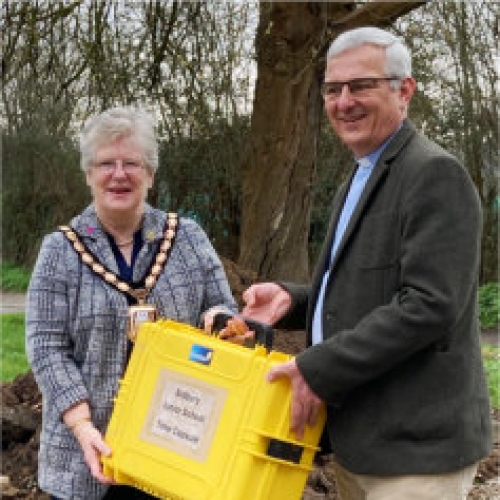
{"x":76,"y":330}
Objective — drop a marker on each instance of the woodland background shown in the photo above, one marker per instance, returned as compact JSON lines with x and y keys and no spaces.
{"x":245,"y":147}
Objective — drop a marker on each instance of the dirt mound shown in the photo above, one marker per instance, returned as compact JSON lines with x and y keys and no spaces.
{"x":21,"y":412}
{"x":21,"y":420}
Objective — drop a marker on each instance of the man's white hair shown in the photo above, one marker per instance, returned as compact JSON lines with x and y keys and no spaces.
{"x":398,"y":58}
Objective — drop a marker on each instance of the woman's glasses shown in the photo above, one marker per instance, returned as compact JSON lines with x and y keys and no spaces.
{"x":109,"y":166}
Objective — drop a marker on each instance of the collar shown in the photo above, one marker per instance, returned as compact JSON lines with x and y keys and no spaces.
{"x":371,"y":159}
{"x":87,"y":225}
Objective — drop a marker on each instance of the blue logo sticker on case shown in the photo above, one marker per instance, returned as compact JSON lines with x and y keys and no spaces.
{"x":201,"y":354}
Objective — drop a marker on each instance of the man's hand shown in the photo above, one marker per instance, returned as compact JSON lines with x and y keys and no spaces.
{"x":266,"y":302}
{"x":305,"y":405}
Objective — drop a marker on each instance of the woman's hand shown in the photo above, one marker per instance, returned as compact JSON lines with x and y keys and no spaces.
{"x":209,"y":318}
{"x":93,"y":446}
{"x":235,"y":331}
{"x":266,"y":302}
{"x":79,"y":421}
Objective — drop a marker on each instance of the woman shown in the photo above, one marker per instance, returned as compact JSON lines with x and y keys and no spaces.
{"x":88,"y":277}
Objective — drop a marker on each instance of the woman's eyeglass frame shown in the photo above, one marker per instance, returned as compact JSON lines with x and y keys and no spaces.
{"x":110,"y":166}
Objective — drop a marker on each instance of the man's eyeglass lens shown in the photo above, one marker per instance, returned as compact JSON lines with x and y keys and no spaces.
{"x":356,"y":86}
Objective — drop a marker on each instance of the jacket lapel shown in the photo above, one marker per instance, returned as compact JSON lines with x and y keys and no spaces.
{"x":323,"y":262}
{"x":89,"y":230}
{"x":152,"y":235}
{"x":376,"y":178}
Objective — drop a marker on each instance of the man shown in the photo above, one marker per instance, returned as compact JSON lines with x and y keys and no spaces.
{"x":391,"y":312}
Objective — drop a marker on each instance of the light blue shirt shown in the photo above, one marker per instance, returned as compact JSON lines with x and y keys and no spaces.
{"x":363,"y":172}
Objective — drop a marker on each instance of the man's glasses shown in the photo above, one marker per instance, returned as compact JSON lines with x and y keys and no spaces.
{"x":109,"y":166}
{"x":358,"y":86}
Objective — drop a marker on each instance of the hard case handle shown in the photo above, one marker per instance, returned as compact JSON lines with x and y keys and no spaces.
{"x":264,"y":334}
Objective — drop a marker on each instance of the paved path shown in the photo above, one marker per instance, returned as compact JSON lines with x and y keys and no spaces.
{"x":12,"y":302}
{"x":491,"y":336}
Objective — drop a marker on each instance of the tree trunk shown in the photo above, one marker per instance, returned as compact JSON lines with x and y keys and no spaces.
{"x":278,"y":168}
{"x":279,"y":164}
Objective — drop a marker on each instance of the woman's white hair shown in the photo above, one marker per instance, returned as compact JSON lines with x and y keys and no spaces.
{"x":115,"y":123}
{"x":398,"y":58}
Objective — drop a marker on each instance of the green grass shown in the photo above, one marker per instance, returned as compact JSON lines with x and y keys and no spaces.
{"x":491,"y":359}
{"x":13,"y":278}
{"x":14,"y":360}
{"x":489,"y":302}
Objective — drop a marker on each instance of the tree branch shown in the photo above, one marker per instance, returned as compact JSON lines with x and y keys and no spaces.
{"x":379,"y":14}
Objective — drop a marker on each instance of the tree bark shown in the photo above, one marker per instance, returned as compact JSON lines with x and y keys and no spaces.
{"x":279,"y":165}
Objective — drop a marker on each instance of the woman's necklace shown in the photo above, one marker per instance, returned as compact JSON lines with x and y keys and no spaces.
{"x":125,"y":243}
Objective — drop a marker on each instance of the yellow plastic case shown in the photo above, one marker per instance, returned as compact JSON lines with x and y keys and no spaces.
{"x":195,"y":419}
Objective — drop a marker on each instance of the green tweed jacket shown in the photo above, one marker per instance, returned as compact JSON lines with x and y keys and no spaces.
{"x":400,"y":366}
